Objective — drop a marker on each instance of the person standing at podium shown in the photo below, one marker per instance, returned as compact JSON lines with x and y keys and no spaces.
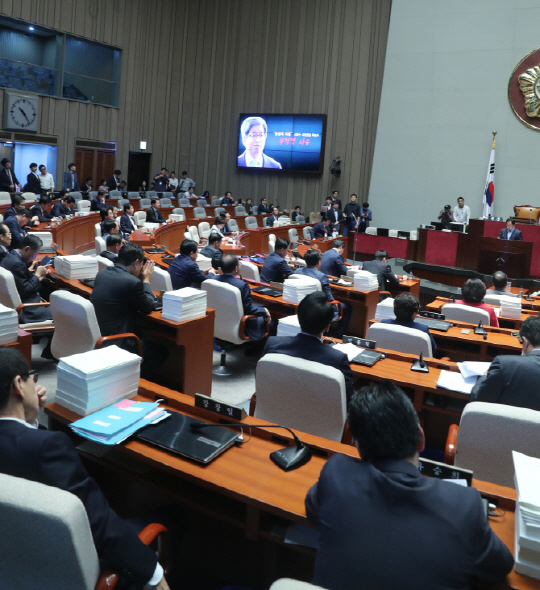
{"x":462,"y":212}
{"x":510,"y":233}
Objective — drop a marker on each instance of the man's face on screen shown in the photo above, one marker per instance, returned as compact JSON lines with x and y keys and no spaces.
{"x":254,"y":141}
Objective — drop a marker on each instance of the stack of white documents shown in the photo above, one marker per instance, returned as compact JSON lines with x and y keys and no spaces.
{"x":203,"y":262}
{"x":288,"y":326}
{"x":47,"y":238}
{"x":294,"y":290}
{"x":527,"y":516}
{"x":511,"y":307}
{"x":385,"y":310}
{"x":93,"y":380}
{"x":184,"y":304}
{"x":76,"y":267}
{"x":175,"y":217}
{"x":365,"y":281}
{"x":9,"y":325}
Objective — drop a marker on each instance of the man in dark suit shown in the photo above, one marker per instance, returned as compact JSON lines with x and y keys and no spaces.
{"x":18,"y":203}
{"x":5,"y":241}
{"x":22,"y":264}
{"x":63,"y":207}
{"x":254,"y":131}
{"x":213,"y":250}
{"x":114,"y":181}
{"x":269,"y":221}
{"x":297,"y":211}
{"x":33,"y":185}
{"x":510,"y":233}
{"x":184,"y":270}
{"x":227,"y":199}
{"x":8,"y":180}
{"x":98,"y":203}
{"x":513,"y":380}
{"x":17,"y":226}
{"x":383,"y":525}
{"x":39,"y":210}
{"x":127,"y":221}
{"x":315,"y":315}
{"x":336,"y":215}
{"x":335,"y":199}
{"x":323,"y":229}
{"x":263,"y":207}
{"x":153,"y":215}
{"x":255,"y":328}
{"x":332,"y":262}
{"x":275,"y":267}
{"x":49,"y":457}
{"x":381,"y":268}
{"x":70,"y":181}
{"x":161,"y":181}
{"x":226,"y":231}
{"x":406,"y":307}
{"x":114,"y":243}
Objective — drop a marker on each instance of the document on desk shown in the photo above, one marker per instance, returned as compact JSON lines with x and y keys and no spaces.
{"x":471,"y":368}
{"x":456,"y":382}
{"x":349,"y":349}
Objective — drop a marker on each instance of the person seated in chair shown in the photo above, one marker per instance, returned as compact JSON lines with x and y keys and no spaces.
{"x":323,"y":229}
{"x":473,"y":292}
{"x":153,"y":215}
{"x":114,"y":243}
{"x":18,"y":203}
{"x":5,"y":241}
{"x":255,"y":328}
{"x":297,"y":211}
{"x":227,"y":199}
{"x":62,"y":208}
{"x":315,"y":315}
{"x":226,"y":231}
{"x":127,"y":221}
{"x":510,"y":233}
{"x":269,"y":221}
{"x":184,"y":270}
{"x":109,"y":227}
{"x":16,"y":226}
{"x":107,"y":214}
{"x":406,"y":308}
{"x":98,"y":203}
{"x":213,"y":250}
{"x":332,"y":262}
{"x":218,"y":227}
{"x":382,"y":269}
{"x":40,"y":210}
{"x":262,"y":209}
{"x":378,"y":516}
{"x":312,"y":258}
{"x":500,"y":281}
{"x":275,"y":268}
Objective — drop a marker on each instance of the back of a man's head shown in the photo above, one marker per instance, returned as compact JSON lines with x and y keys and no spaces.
{"x":188,"y":247}
{"x":499,"y":279}
{"x":26,"y":212}
{"x":338,"y":244}
{"x":530,"y":329}
{"x":229,"y":262}
{"x":214,"y":239}
{"x":108,"y":226}
{"x":473,"y":291}
{"x":383,"y":422}
{"x":33,"y":242}
{"x":17,"y":199}
{"x":315,"y":313}
{"x":312,"y":257}
{"x":130,"y":253}
{"x":12,"y":364}
{"x":113,"y":240}
{"x":405,"y":306}
{"x":381,"y":254}
{"x":281,"y":244}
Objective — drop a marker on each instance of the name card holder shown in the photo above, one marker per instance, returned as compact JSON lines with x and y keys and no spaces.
{"x":218,"y":407}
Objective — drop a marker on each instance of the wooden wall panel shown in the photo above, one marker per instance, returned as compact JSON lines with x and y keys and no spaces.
{"x":190,"y":67}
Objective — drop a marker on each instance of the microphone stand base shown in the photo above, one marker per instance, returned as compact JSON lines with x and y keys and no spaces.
{"x":291,"y":457}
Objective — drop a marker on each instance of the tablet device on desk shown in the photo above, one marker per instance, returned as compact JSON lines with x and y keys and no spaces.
{"x":368,"y":357}
{"x":155,"y":250}
{"x":158,"y":303}
{"x":434,"y":324}
{"x":87,"y":282}
{"x":175,"y":434}
{"x":268,"y":291}
{"x":167,"y":259}
{"x":46,"y":260}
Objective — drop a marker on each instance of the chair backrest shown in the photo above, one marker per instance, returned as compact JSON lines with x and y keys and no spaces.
{"x":300,"y":219}
{"x":203,"y":262}
{"x":240,"y":210}
{"x":160,"y":280}
{"x":168,"y":195}
{"x":75,"y":324}
{"x":233,"y":226}
{"x":151,"y":194}
{"x":165,"y":202}
{"x":249,"y":270}
{"x":400,"y":339}
{"x":307,"y":233}
{"x":271,"y":245}
{"x":372,"y":231}
{"x":92,"y":194}
{"x":34,"y":514}
{"x":103,"y":262}
{"x":83,"y":205}
{"x":204,"y":229}
{"x":293,"y":235}
{"x":100,"y":245}
{"x":134,"y":195}
{"x":251,"y":222}
{"x":121,"y":203}
{"x":219,"y":211}
{"x":185,"y":202}
{"x":5,"y":198}
{"x":227,"y":302}
{"x":97,"y":229}
{"x":140,"y":217}
{"x":199,"y":212}
{"x":201,"y":203}
{"x":289,"y":584}
{"x":179,"y":211}
{"x":216,"y":201}
{"x":9,"y":296}
{"x":145,"y":203}
{"x":303,"y":395}
{"x":488,"y":433}
{"x":31,"y":197}
{"x":113,"y":194}
{"x":187,"y":235}
{"x":194,"y":231}
{"x":465,"y":313}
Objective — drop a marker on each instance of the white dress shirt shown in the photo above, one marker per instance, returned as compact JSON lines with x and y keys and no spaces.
{"x":254,"y":162}
{"x":462,"y":214}
{"x":46,"y":181}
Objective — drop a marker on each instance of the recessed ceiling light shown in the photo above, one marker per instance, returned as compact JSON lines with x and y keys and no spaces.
{"x":31,"y":28}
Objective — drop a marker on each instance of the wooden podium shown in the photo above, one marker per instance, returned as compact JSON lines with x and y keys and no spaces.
{"x":510,"y":256}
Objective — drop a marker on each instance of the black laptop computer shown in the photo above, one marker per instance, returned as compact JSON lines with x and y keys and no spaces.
{"x":268,"y":291}
{"x":382,"y":231}
{"x":175,"y":434}
{"x":88,"y":282}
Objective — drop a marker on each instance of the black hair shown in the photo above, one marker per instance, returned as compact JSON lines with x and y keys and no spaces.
{"x":405,"y":306}
{"x":105,"y":212}
{"x":213,"y":238}
{"x":228,"y":263}
{"x":101,"y":191}
{"x":219,"y":220}
{"x":499,"y":279}
{"x":511,"y":221}
{"x":153,"y":201}
{"x":63,"y":192}
{"x":327,"y":198}
{"x":70,"y":165}
{"x":44,"y":200}
{"x":380,"y":254}
{"x":130,"y":253}
{"x":26,"y":212}
{"x":113,"y":240}
{"x":263,"y":199}
{"x":187,"y":247}
{"x":32,"y":241}
{"x":315,"y":313}
{"x":338,"y":244}
{"x":383,"y":422}
{"x":297,"y":207}
{"x":473,"y":291}
{"x":227,"y":193}
{"x":17,"y":199}
{"x":69,"y":199}
{"x":275,"y":207}
{"x":3,"y":229}
{"x":118,"y":172}
{"x":460,"y":198}
{"x":353,"y":195}
{"x":365,"y":205}
{"x":184,"y":172}
{"x":281,"y":243}
{"x":530,"y":328}
{"x":108,"y":225}
{"x":312,"y":257}
{"x":206,"y":194}
{"x":12,"y":364}
{"x":127,"y":206}
{"x":34,"y":164}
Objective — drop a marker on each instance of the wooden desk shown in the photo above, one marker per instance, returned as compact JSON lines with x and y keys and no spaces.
{"x":190,"y":344}
{"x":258,"y":237}
{"x":24,"y":345}
{"x":243,"y":487}
{"x":511,"y":256}
{"x":73,"y":236}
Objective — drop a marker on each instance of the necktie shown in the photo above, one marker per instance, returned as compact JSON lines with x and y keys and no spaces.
{"x":10,"y":179}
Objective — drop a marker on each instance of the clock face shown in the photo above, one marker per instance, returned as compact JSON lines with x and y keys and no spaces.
{"x":23,"y":113}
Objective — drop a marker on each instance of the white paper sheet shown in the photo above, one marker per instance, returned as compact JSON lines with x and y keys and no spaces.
{"x":456,"y":382}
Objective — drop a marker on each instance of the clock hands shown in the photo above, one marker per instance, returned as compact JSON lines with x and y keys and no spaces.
{"x":24,"y":114}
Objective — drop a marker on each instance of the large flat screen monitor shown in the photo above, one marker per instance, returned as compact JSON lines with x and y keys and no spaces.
{"x":281,"y":142}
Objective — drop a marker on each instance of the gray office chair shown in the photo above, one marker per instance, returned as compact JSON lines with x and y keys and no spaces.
{"x":308,"y":233}
{"x":240,"y":210}
{"x":168,"y":195}
{"x":219,"y":211}
{"x":5,"y":198}
{"x":83,"y":206}
{"x":179,"y":211}
{"x":121,"y":203}
{"x":300,"y":219}
{"x":100,"y":245}
{"x":400,"y":339}
{"x":185,"y":203}
{"x":140,"y":218}
{"x":76,"y":195}
{"x":151,"y":194}
{"x":216,"y":201}
{"x":233,"y":226}
{"x":145,"y":203}
{"x":113,"y":194}
{"x":251,"y":222}
{"x":133,"y":195}
{"x":199,"y":212}
{"x":201,"y":203}
{"x":160,"y":280}
{"x":92,"y":195}
{"x":165,"y":202}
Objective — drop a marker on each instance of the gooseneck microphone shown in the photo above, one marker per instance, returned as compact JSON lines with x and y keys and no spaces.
{"x":287,"y":459}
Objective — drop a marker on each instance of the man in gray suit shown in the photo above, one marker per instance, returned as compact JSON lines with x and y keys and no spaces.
{"x":254,"y":132}
{"x":513,"y":380}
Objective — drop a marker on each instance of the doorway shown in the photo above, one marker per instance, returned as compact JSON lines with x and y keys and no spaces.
{"x":94,"y":164}
{"x":138,"y":170}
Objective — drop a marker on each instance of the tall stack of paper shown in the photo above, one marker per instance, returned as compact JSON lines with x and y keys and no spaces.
{"x":288,"y":326}
{"x":294,"y":290}
{"x":365,"y":281}
{"x":175,"y":217}
{"x":527,"y":516}
{"x":184,"y":304}
{"x":203,"y":262}
{"x":93,"y":380}
{"x":9,"y":325}
{"x":76,"y":267}
{"x":385,"y":310}
{"x":47,"y":238}
{"x":511,"y":307}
